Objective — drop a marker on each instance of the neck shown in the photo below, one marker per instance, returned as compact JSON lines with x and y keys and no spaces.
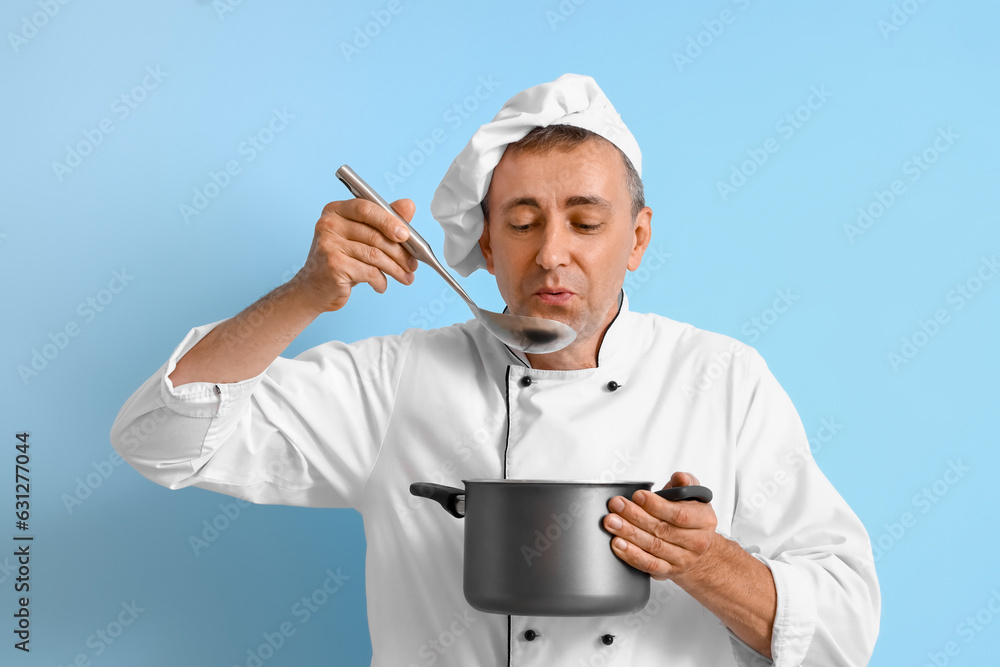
{"x":581,"y":353}
{"x":571,"y":358}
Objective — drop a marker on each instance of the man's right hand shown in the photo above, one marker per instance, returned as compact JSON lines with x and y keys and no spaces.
{"x":355,"y":242}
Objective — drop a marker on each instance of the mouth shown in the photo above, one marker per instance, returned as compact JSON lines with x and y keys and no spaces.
{"x":554,"y":296}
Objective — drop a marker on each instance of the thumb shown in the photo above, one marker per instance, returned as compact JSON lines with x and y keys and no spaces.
{"x":405,"y":207}
{"x":682,"y":479}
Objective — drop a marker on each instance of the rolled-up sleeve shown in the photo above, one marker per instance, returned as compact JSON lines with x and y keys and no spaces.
{"x":790,"y":517}
{"x":307,"y":431}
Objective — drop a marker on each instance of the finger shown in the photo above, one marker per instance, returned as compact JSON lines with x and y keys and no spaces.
{"x":373,"y":215}
{"x":332,"y":248}
{"x":648,"y":531}
{"x":377,"y":258}
{"x":682,"y":479}
{"x":661,"y":545}
{"x":661,"y":562}
{"x":357,"y":216}
{"x":660,"y":538}
{"x":373,"y":236}
{"x":369,"y":236}
{"x":647,"y":509}
{"x":361,"y":272}
{"x":405,"y":207}
{"x":338,"y":228}
{"x":641,"y":559}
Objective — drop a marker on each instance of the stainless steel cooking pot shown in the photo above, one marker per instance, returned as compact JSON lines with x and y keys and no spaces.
{"x":539,"y":547}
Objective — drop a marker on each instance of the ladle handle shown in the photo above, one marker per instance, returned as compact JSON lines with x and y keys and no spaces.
{"x":415,"y":245}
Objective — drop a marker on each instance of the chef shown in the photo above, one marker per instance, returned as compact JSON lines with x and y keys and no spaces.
{"x":547,"y":197}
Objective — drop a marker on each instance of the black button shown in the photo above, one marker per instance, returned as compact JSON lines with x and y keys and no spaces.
{"x":608,"y":639}
{"x":526,"y":381}
{"x":218,"y":391}
{"x":530,"y":635}
{"x":613,"y":386}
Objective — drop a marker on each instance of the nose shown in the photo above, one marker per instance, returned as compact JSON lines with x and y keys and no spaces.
{"x":554,"y":250}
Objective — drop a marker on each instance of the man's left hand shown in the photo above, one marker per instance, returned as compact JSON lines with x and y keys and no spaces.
{"x":665,"y":538}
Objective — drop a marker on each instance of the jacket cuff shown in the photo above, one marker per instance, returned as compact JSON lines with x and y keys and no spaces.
{"x":202,"y":399}
{"x":795,"y":618}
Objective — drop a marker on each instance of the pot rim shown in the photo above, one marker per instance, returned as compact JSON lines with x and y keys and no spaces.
{"x":553,"y":482}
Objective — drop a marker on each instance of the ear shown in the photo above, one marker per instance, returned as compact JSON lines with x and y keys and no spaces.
{"x":643,"y":232}
{"x":484,"y":245}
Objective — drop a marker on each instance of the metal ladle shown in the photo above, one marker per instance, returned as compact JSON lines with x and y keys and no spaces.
{"x":533,"y":335}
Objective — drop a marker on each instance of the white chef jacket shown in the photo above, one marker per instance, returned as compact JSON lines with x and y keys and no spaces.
{"x":354,"y":425}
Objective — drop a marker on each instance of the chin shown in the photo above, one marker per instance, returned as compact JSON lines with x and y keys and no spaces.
{"x":568,"y":316}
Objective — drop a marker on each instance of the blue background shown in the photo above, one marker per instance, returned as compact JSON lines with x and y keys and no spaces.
{"x":889,"y":89}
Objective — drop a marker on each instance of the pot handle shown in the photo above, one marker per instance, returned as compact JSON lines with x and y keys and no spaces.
{"x":450,"y":497}
{"x":700,"y":493}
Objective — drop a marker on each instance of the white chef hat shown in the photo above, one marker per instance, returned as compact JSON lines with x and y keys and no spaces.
{"x":572,"y":99}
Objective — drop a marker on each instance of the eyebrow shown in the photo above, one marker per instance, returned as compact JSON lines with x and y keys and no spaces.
{"x":576,"y":200}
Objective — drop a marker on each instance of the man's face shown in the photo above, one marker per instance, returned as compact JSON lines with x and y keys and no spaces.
{"x":560,"y":235}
